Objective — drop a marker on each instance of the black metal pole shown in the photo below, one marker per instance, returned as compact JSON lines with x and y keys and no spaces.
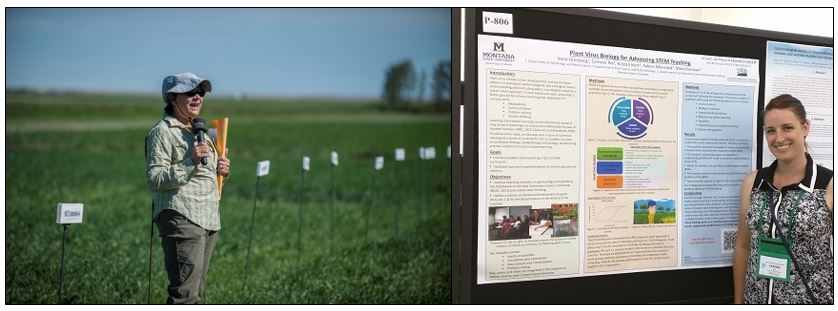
{"x":398,"y":206}
{"x":448,"y":166}
{"x":419,"y":190}
{"x":426,"y":165}
{"x":300,"y":220}
{"x":417,"y":199}
{"x":369,"y":209}
{"x":150,"y":251}
{"x":332,"y":232}
{"x":250,"y":240}
{"x":61,"y":275}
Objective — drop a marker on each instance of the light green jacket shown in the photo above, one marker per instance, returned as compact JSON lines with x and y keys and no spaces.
{"x":174,"y":181}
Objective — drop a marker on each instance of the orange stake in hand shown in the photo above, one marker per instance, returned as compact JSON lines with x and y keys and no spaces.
{"x":221,"y":142}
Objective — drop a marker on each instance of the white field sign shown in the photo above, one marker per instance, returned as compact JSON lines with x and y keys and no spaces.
{"x":379,"y":163}
{"x":430,"y":153}
{"x":69,"y":213}
{"x":262,"y":168}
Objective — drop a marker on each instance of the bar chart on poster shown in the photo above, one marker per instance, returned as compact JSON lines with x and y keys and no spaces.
{"x":601,"y":160}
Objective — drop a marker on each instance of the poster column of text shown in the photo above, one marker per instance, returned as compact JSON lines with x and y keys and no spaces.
{"x":631,"y":174}
{"x":533,"y":164}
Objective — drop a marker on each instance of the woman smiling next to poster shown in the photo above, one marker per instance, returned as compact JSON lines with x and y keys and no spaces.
{"x":799,"y":194}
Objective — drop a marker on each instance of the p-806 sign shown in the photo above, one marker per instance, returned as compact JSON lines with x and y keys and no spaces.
{"x":497,"y":22}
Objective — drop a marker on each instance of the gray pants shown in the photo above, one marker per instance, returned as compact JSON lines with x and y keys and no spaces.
{"x":187,"y":249}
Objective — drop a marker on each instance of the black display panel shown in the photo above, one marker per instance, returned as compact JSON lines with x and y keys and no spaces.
{"x":703,"y":285}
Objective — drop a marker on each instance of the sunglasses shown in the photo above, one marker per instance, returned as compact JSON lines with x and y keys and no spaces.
{"x":195,"y":91}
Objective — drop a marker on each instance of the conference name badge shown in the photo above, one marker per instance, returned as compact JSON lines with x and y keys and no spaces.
{"x":773,"y":260}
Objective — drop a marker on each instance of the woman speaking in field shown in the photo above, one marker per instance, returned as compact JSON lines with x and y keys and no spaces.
{"x":783,"y":248}
{"x":181,"y":168}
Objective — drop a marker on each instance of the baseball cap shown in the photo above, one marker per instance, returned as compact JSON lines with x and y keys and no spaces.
{"x":184,"y":82}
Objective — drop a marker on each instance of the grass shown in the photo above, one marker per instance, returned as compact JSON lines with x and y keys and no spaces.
{"x":642,"y":218}
{"x":103,"y":167}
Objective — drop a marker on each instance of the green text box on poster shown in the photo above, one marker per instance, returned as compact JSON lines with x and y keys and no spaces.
{"x":609,"y":153}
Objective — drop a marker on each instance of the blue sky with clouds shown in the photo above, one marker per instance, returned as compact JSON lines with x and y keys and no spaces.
{"x":263,"y":52}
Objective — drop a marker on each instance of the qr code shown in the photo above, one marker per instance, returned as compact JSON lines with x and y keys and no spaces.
{"x":728,"y":240}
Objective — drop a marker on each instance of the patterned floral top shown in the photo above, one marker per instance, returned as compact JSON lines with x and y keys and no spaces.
{"x":811,"y":233}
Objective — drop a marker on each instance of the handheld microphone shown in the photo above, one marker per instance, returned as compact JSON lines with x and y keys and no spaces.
{"x":199,"y":126}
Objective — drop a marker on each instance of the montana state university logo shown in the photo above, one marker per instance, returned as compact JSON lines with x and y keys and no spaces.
{"x":498,"y":54}
{"x":499,"y":47}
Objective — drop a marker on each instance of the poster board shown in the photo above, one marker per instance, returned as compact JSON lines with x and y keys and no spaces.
{"x":616,"y":146}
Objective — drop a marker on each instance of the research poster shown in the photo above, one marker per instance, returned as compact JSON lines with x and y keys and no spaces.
{"x":805,"y":72}
{"x":600,"y":160}
{"x":718,"y":150}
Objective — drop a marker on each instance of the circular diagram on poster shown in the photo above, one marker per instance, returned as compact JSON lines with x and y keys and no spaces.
{"x":631,"y":116}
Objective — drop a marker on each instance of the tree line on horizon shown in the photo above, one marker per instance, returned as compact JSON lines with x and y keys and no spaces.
{"x":404,"y":90}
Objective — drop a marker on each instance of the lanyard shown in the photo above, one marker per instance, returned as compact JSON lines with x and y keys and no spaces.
{"x":790,"y":222}
{"x":773,"y":259}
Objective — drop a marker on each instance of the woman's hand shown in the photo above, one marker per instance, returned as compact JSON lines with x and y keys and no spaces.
{"x":223,"y":166}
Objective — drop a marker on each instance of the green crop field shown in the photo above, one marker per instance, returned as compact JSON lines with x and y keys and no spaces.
{"x":642,"y":218}
{"x":84,"y":148}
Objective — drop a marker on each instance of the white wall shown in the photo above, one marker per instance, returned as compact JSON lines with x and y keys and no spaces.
{"x":809,"y":21}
